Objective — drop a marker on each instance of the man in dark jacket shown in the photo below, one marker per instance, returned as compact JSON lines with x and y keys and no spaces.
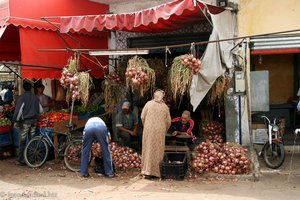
{"x":26,"y":114}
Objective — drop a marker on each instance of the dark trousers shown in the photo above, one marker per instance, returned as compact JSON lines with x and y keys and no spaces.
{"x":99,"y":133}
{"x":126,"y":138}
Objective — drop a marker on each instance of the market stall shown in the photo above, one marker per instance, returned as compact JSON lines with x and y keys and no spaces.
{"x":191,"y":81}
{"x":24,"y":35}
{"x":6,"y":141}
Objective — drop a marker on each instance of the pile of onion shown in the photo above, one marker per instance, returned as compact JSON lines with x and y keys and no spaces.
{"x":114,"y":77}
{"x":70,"y":80}
{"x":123,"y":157}
{"x":212,"y":131}
{"x":6,"y":154}
{"x":234,"y":160}
{"x":136,"y":76}
{"x":191,"y":62}
{"x":97,"y":150}
{"x":74,"y":153}
{"x":207,"y":156}
{"x":227,"y":158}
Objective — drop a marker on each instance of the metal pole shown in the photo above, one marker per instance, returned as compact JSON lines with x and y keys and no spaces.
{"x":255,"y":164}
{"x":184,"y":45}
{"x":29,"y":65}
{"x":11,"y":70}
{"x":240,"y":120}
{"x":71,"y":115}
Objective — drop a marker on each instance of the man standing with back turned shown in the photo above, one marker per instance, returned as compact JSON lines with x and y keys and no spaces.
{"x":25,"y":117}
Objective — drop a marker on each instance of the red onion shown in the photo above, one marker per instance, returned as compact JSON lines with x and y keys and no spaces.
{"x":123,"y":157}
{"x":228,"y":158}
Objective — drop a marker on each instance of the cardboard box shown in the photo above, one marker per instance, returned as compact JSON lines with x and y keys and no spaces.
{"x":258,"y":126}
{"x":259,"y":133}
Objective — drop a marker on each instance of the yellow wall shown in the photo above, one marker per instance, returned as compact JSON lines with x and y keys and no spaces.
{"x":280,"y":69}
{"x":265,"y":16}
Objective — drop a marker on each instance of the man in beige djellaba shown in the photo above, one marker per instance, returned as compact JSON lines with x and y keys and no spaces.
{"x":156,"y":121}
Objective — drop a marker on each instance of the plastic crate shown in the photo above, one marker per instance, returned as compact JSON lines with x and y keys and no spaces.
{"x":84,"y":115}
{"x":174,"y":166}
{"x":5,"y":129}
{"x":6,"y":152}
{"x":5,"y":139}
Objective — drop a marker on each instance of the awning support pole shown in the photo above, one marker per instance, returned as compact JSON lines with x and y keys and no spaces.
{"x":29,"y":65}
{"x":63,"y":39}
{"x":203,"y":12}
{"x":12,"y":70}
{"x":57,"y":31}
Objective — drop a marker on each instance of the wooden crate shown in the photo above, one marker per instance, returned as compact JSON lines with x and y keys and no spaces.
{"x":62,"y":126}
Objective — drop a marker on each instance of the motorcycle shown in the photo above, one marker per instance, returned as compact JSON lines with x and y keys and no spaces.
{"x":273,"y":150}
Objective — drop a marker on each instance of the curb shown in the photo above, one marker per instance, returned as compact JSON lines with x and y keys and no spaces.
{"x":290,"y":148}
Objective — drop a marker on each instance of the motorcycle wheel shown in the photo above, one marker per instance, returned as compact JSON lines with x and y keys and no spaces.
{"x":274,"y":157}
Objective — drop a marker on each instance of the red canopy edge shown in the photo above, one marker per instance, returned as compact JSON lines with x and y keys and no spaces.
{"x":275,"y":51}
{"x":163,"y":18}
{"x":40,"y":25}
{"x":28,"y":23}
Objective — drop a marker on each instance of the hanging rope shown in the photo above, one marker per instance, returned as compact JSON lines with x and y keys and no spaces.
{"x":193,"y":49}
{"x":166,"y":56}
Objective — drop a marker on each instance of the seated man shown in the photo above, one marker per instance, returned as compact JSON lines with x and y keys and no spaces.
{"x":183,"y":125}
{"x":127,"y":124}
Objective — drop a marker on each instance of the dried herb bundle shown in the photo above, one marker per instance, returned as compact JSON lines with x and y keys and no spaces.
{"x":180,"y":78}
{"x":217,"y":91}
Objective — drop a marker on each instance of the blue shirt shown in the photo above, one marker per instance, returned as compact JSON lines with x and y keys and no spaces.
{"x":8,"y":96}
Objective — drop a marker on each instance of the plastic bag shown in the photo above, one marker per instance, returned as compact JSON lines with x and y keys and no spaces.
{"x":298,"y":106}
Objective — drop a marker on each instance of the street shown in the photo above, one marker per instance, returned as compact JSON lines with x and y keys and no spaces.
{"x":53,"y":181}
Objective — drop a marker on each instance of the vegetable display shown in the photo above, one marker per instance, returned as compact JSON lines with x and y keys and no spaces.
{"x":180,"y":78}
{"x":77,"y":83}
{"x":114,"y":77}
{"x":217,"y":91}
{"x":123,"y":157}
{"x":85,"y":84}
{"x":52,"y":117}
{"x":191,"y":62}
{"x":227,"y":158}
{"x":88,"y":108}
{"x":74,"y":153}
{"x":69,"y":78}
{"x":139,"y":76}
{"x":5,"y":121}
{"x":112,"y":91}
{"x":212,"y":131}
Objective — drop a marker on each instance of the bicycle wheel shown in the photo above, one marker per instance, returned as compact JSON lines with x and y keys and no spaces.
{"x":274,"y":157}
{"x":36,"y":152}
{"x":72,"y":156}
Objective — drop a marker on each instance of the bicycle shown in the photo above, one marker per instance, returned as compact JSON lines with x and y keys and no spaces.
{"x":273,"y":149}
{"x":37,"y":149}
